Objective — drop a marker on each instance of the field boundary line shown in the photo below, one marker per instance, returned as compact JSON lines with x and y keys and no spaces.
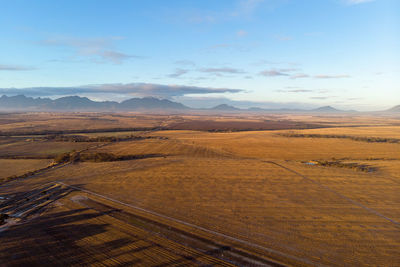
{"x":50,"y":167}
{"x":337,"y":193}
{"x":269,"y":250}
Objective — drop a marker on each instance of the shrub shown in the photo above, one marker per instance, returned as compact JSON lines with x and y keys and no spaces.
{"x":62,"y":158}
{"x":3,"y":217}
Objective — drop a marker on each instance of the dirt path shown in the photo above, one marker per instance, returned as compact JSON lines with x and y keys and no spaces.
{"x":336,"y":193}
{"x":230,"y":252}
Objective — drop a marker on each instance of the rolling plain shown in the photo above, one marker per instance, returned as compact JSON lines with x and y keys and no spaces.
{"x":173,"y":190}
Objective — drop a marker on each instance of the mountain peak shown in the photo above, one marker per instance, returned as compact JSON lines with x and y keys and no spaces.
{"x":73,"y":103}
{"x":151,"y":103}
{"x":326,"y":109}
{"x":224,"y":107}
{"x":394,"y":109}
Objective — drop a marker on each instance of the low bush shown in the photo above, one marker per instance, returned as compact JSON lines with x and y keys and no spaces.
{"x":100,"y":139}
{"x":99,"y":157}
{"x":340,"y":164}
{"x":355,"y":138}
{"x":3,"y":218}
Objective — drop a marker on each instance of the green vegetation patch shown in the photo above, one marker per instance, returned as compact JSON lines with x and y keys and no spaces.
{"x":340,"y":164}
{"x":100,"y":157}
{"x":355,"y":138}
{"x":102,"y":139}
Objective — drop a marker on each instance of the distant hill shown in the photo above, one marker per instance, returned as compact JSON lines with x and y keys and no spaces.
{"x":151,"y":103}
{"x":256,"y":109}
{"x":75,"y":103}
{"x":329,"y":109}
{"x":326,"y":109}
{"x":394,"y":109}
{"x":225,"y":107}
{"x":80,"y":103}
{"x":22,"y":102}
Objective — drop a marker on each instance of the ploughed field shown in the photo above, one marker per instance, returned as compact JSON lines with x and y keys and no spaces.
{"x":149,"y":190}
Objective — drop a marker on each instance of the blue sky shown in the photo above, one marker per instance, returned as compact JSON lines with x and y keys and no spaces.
{"x":276,"y":53}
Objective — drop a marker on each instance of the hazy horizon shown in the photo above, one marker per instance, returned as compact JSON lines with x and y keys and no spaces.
{"x":205,"y":103}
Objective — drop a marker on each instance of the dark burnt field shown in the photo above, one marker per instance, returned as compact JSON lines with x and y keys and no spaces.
{"x":232,"y":125}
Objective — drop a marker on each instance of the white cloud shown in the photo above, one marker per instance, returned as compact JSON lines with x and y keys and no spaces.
{"x":178,"y":73}
{"x":283,"y":37}
{"x":272,"y":73}
{"x":241,"y":9}
{"x":299,"y":76}
{"x":185,"y":62}
{"x":241,"y":33}
{"x":246,"y":7}
{"x":14,"y":68}
{"x":131,"y":89}
{"x":114,"y":56}
{"x":295,"y":91}
{"x":323,"y":76}
{"x":221,"y":70}
{"x":100,"y":50}
{"x":355,"y":2}
{"x":277,"y":72}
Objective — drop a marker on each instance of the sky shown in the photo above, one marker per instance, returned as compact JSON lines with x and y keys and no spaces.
{"x":265,"y":53}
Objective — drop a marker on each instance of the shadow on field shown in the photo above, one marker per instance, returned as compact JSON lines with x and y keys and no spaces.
{"x":76,"y":237}
{"x":60,"y":239}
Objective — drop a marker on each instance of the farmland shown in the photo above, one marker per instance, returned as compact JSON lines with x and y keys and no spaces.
{"x":10,"y":167}
{"x":197,"y":190}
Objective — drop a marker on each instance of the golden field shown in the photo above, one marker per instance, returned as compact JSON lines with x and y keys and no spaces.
{"x":11,"y":167}
{"x":39,"y":149}
{"x":257,"y":191}
{"x":86,"y":236}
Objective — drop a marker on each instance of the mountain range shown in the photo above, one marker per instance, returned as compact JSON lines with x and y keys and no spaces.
{"x":77,"y":103}
{"x":394,"y":109}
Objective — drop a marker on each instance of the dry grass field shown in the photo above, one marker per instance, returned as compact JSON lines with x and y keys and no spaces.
{"x":39,"y":149}
{"x":207,"y":197}
{"x":10,"y":167}
{"x":40,"y":122}
{"x":377,"y":131}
